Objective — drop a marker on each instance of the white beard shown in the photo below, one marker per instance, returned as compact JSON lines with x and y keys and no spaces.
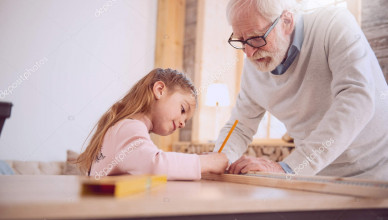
{"x":273,"y":58}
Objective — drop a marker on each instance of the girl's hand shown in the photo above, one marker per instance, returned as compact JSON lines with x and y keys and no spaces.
{"x":213,"y":162}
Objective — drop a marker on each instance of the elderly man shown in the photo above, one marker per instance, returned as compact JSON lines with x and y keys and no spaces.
{"x":318,"y":75}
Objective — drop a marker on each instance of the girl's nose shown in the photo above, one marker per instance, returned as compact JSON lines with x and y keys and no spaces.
{"x":182,"y":124}
{"x":249,"y":51}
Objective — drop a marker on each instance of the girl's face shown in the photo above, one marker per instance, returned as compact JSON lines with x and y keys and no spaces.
{"x":171,"y":109}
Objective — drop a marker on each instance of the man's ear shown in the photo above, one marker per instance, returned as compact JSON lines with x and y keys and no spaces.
{"x":159,"y":89}
{"x":288,"y":22}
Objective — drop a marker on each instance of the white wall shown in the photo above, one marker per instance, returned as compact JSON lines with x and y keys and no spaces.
{"x":89,"y":54}
{"x":217,"y":65}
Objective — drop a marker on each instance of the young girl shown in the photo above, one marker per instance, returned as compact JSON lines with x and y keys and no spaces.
{"x":160,"y":102}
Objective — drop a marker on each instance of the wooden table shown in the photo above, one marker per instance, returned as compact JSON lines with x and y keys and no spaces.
{"x":54,"y":196}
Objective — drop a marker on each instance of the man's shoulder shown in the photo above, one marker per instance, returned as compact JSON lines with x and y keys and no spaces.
{"x":323,"y":16}
{"x":326,"y":22}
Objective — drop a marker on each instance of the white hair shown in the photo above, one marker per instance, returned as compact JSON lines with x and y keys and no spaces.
{"x":269,"y":9}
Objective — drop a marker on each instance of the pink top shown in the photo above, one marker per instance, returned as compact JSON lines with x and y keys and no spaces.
{"x":127,"y":149}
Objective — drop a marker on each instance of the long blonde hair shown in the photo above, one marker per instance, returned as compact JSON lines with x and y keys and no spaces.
{"x":138,"y":100}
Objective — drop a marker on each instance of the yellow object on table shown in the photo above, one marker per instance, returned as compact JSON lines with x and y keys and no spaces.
{"x":121,"y":186}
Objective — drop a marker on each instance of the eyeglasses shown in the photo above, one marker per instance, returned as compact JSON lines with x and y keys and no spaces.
{"x":255,"y":42}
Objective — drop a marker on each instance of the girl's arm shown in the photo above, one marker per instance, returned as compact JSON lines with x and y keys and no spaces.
{"x":140,"y":155}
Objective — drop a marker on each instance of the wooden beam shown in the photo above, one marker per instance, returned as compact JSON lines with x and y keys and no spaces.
{"x":189,"y":52}
{"x":331,"y":185}
{"x":169,"y":50}
{"x":269,"y":125}
{"x":354,"y":6}
{"x":170,"y":34}
{"x":198,"y":67}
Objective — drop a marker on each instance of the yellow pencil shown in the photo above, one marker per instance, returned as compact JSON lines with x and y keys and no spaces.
{"x":227,"y":137}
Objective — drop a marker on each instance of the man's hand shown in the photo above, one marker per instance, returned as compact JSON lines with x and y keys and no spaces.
{"x":246,"y":163}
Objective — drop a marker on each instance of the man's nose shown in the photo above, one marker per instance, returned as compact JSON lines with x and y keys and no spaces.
{"x":250,"y":51}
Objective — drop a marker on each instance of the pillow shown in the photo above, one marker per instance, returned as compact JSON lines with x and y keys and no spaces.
{"x":287,"y":138}
{"x":5,"y":169}
{"x":20,"y":167}
{"x":70,"y":168}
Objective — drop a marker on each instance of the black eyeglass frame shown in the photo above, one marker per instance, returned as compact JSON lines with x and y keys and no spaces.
{"x":262,"y":37}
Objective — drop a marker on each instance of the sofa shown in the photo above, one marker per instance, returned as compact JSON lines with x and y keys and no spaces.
{"x":45,"y":168}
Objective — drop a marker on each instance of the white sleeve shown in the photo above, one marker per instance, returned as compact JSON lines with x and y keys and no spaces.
{"x":352,"y":90}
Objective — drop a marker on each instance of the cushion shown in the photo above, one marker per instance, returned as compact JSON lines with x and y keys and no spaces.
{"x":287,"y":138}
{"x":36,"y":167}
{"x":70,"y":168}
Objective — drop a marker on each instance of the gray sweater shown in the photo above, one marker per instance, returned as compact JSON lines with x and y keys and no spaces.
{"x":333,"y":100}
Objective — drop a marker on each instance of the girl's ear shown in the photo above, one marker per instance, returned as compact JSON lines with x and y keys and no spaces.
{"x":159,"y":89}
{"x":288,"y":22}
